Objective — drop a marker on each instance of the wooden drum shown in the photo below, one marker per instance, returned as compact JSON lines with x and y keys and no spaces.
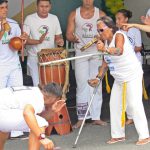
{"x":58,"y":73}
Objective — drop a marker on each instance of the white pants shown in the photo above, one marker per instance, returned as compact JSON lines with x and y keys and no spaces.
{"x":13,"y":120}
{"x":32,"y":63}
{"x":11,"y":75}
{"x":134,"y":103}
{"x":85,"y":69}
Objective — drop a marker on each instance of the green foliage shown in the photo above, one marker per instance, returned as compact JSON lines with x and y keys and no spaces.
{"x":112,"y":6}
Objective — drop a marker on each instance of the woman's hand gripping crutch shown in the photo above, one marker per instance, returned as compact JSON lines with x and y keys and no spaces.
{"x":94,"y":83}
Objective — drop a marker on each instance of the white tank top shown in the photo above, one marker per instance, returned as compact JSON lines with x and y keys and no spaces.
{"x":86,"y":29}
{"x":125,"y":67}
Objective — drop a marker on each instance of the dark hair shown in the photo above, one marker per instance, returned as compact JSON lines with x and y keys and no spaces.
{"x":52,"y":89}
{"x":108,"y":22}
{"x":43,"y":0}
{"x":3,"y":1}
{"x":125,"y":12}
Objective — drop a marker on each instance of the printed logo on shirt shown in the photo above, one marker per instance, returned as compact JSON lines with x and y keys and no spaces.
{"x":5,"y":38}
{"x":44,"y":29}
{"x":131,"y":41}
{"x":87,"y":29}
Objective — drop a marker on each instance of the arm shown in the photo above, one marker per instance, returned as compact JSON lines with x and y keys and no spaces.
{"x":117,"y":50}
{"x":59,"y":40}
{"x":35,"y":42}
{"x":145,"y":28}
{"x":101,"y":13}
{"x":137,"y":49}
{"x":50,"y":111}
{"x":1,"y":34}
{"x":30,"y":119}
{"x":2,"y":31}
{"x":102,"y":69}
{"x":71,"y":28}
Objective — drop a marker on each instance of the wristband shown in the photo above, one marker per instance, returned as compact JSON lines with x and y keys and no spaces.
{"x":98,"y":77}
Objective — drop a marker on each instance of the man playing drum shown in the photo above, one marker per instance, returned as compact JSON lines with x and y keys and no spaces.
{"x":28,"y":108}
{"x":44,"y":30}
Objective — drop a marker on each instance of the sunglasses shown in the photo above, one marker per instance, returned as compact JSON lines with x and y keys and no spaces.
{"x":102,"y":30}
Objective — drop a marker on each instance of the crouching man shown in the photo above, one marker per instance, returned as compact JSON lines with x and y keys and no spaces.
{"x":27,"y":109}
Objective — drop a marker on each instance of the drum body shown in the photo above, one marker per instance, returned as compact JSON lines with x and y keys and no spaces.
{"x":57,"y":73}
{"x":53,"y":72}
{"x":60,"y":122}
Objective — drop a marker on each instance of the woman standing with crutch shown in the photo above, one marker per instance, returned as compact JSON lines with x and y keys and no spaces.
{"x":127,"y":87}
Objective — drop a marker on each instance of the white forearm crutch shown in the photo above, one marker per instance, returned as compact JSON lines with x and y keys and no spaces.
{"x":94,"y":93}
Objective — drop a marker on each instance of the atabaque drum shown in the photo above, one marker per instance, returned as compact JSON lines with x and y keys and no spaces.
{"x":58,"y":73}
{"x":60,"y":122}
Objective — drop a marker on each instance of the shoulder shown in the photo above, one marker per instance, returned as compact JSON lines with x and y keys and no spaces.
{"x":102,"y":13}
{"x":134,"y":31}
{"x":52,"y":17}
{"x":119,"y":35}
{"x":13,"y":23}
{"x":73,"y":13}
{"x":31,"y":16}
{"x":11,"y":20}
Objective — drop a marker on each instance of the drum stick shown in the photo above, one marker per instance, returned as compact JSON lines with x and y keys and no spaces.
{"x":71,"y":58}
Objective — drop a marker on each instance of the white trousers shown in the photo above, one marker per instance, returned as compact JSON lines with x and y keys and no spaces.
{"x":134,"y":103}
{"x":13,"y":120}
{"x":85,"y":69}
{"x":11,"y":75}
{"x":32,"y":63}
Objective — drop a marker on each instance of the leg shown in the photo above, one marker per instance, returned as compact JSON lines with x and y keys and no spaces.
{"x":32,"y":63}
{"x":15,"y":76}
{"x":3,"y":76}
{"x":134,"y":100}
{"x":82,"y":96}
{"x":15,"y":79}
{"x":34,"y":143}
{"x":115,"y":111}
{"x":3,"y":137}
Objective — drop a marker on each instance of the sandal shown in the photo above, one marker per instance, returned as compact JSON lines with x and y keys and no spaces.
{"x":115,"y":140}
{"x":143,"y":141}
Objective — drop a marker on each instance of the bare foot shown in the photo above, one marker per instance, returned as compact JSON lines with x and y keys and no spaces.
{"x":115,"y":140}
{"x":143,"y":141}
{"x":99,"y":122}
{"x":129,"y":121}
{"x":77,"y":125}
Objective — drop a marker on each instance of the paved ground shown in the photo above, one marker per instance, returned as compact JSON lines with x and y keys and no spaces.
{"x":93,"y":137}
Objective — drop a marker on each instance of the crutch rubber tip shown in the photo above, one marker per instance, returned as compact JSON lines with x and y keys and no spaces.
{"x":74,"y":146}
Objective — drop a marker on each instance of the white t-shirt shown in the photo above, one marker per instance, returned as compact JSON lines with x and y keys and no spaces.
{"x":19,"y":97}
{"x":125,"y":67}
{"x":36,"y":26}
{"x":8,"y":56}
{"x":148,"y":12}
{"x":134,"y":36}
